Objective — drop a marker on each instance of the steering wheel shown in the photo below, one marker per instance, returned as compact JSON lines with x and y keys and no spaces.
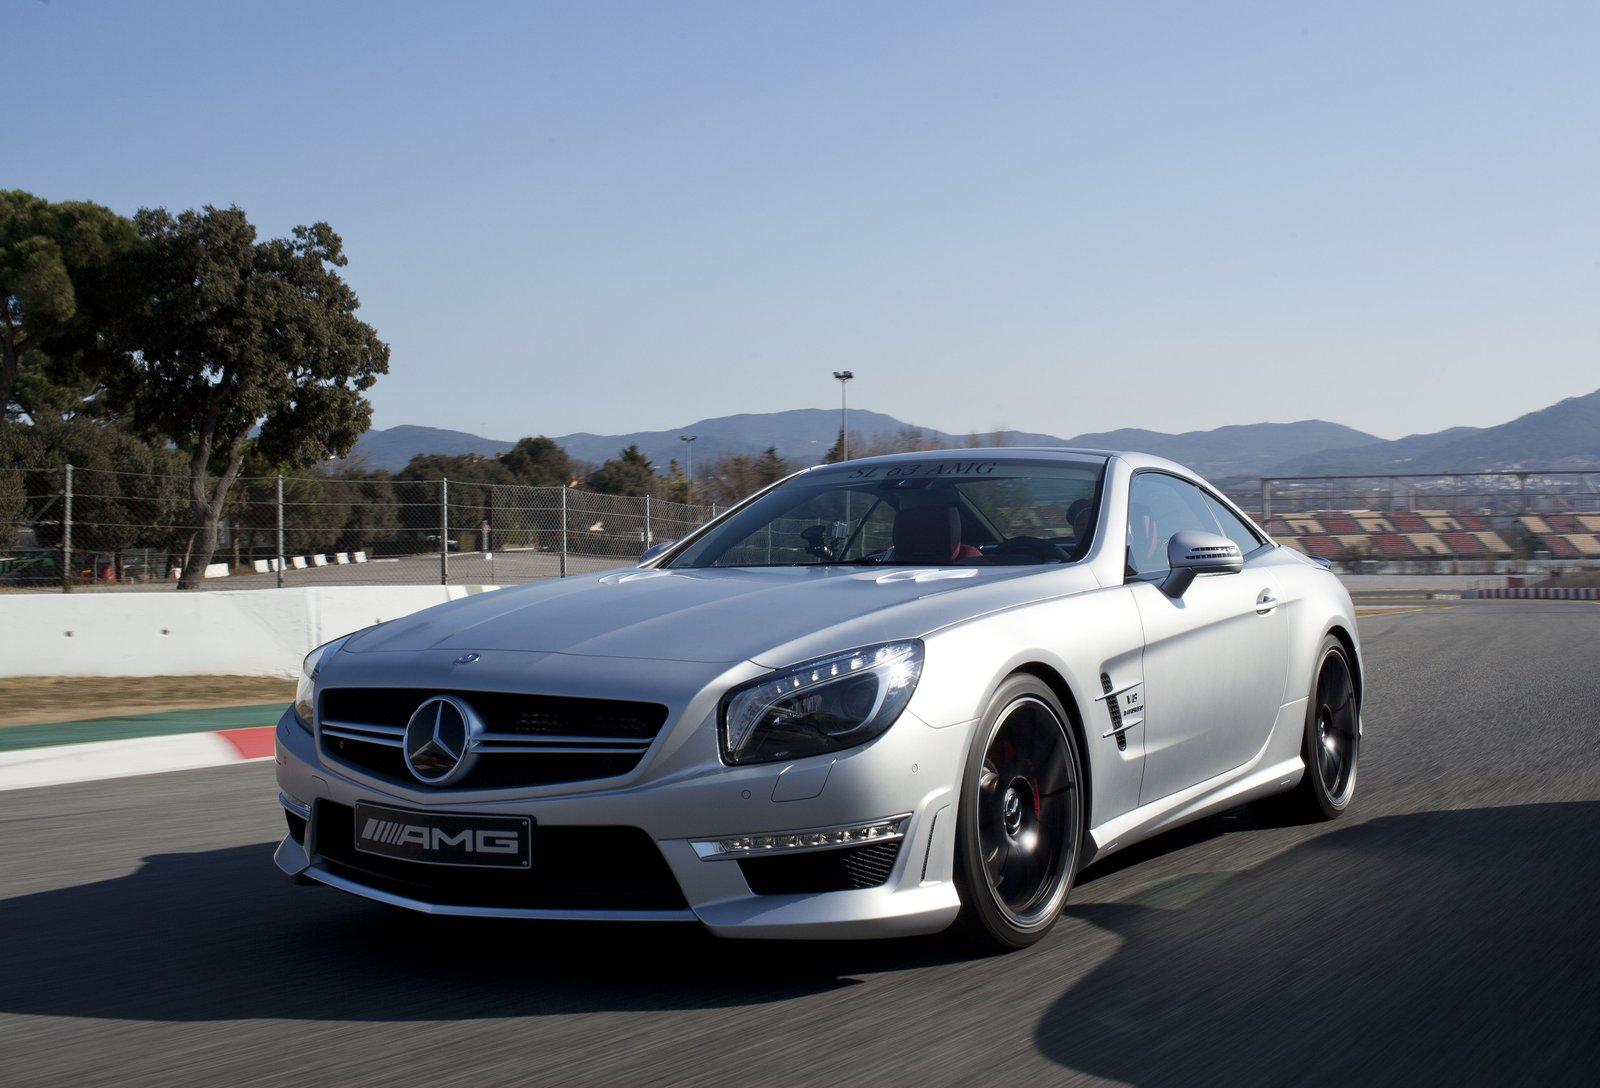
{"x":1029,"y":547}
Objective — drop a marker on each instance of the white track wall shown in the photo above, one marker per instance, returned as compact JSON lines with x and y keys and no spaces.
{"x":210,"y":633}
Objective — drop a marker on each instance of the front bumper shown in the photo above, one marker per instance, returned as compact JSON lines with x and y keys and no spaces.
{"x":912,"y":770}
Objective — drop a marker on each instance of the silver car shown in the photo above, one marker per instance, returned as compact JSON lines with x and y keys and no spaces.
{"x":877,"y":698}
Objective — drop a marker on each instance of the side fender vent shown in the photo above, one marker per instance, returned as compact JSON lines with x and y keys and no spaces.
{"x":1116,"y":713}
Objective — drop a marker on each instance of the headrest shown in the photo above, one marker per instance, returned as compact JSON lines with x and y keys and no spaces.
{"x":1078,"y":517}
{"x":927,"y":534}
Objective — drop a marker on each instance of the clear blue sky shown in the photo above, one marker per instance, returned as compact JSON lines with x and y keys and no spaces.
{"x":1057,"y":216}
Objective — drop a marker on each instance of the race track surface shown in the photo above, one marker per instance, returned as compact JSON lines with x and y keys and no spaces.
{"x":1447,"y":931}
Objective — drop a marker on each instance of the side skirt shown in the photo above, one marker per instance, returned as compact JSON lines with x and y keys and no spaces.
{"x":1276,"y":768}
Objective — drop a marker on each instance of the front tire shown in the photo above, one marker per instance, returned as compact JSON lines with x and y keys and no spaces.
{"x":1019,"y":828}
{"x":1332,"y":741}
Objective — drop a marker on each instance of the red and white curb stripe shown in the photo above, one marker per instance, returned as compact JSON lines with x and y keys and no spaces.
{"x":61,"y":764}
{"x":1536,"y":593}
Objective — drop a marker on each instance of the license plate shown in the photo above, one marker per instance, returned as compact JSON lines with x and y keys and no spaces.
{"x":439,"y":838}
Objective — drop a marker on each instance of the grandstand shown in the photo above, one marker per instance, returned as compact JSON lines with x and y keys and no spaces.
{"x":1493,"y":521}
{"x":1434,"y":535}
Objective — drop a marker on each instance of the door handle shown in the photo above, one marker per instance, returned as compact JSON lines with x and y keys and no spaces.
{"x":1266,"y":603}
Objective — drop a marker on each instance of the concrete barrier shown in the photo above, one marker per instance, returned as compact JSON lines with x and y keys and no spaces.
{"x":1535,"y":593}
{"x":215,"y":633}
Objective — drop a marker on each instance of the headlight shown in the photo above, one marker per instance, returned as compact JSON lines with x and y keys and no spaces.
{"x":822,"y":706}
{"x":305,"y":689}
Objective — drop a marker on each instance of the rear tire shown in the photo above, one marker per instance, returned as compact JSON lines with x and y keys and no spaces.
{"x":1020,"y":818}
{"x":1331,"y":744}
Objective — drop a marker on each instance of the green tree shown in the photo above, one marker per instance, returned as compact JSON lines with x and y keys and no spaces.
{"x":628,"y":473}
{"x":539,"y":462}
{"x":64,"y":278}
{"x":240,"y":337}
{"x":12,"y":493}
{"x":374,"y":516}
{"x":475,"y":496}
{"x":772,"y":466}
{"x":126,"y":494}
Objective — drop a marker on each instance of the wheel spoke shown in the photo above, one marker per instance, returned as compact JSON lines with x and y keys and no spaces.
{"x":997,"y":861}
{"x":1328,"y":761}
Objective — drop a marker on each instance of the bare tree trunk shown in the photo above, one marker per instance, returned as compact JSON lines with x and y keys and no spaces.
{"x":205,"y":543}
{"x":206,"y":505}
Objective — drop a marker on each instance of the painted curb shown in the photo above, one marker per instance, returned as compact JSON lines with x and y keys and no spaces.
{"x":1535,"y":593}
{"x":160,"y":723}
{"x":62,"y":764}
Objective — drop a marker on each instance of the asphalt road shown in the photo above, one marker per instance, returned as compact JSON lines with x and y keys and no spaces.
{"x":1447,"y":931}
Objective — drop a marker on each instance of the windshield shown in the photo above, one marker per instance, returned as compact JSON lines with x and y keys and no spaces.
{"x":940,"y":511}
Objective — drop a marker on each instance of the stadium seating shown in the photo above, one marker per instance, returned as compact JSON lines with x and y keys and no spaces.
{"x":1323,"y":547}
{"x":1394,"y":546}
{"x":1432,"y":534}
{"x":1465,"y":545}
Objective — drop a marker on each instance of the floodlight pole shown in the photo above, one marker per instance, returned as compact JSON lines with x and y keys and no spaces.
{"x":843,"y":377}
{"x":688,"y":465}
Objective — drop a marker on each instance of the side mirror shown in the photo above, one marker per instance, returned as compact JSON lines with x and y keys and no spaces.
{"x":1192,"y":553}
{"x":656,"y":549}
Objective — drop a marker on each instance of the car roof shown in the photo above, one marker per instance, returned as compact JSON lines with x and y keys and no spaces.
{"x":1133,"y":458}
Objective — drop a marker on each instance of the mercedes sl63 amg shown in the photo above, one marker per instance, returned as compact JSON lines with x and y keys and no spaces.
{"x":876,"y":698}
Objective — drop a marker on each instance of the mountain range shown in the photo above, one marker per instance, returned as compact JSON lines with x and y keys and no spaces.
{"x":1564,"y":435}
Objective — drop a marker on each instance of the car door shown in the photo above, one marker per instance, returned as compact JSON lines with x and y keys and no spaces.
{"x":1215,"y":659}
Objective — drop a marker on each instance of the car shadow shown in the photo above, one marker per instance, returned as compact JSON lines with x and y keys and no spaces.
{"x":221,"y":934}
{"x":1231,"y":822}
{"x":1436,"y":947}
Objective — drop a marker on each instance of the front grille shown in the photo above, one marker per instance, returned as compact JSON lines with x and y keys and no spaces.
{"x":529,"y":740}
{"x":822,"y":870}
{"x":574,"y":868}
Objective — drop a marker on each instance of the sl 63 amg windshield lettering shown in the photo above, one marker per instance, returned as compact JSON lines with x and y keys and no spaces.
{"x":942,"y":468}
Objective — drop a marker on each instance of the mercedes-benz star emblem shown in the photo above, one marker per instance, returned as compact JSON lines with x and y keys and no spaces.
{"x":438,"y":741}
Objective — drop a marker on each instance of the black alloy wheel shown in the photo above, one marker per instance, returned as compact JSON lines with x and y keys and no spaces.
{"x":1020,"y":827}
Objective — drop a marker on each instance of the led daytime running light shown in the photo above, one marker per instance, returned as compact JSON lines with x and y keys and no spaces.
{"x":791,"y":841}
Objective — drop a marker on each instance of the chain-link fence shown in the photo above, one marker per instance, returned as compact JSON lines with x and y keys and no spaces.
{"x":85,"y":527}
{"x":70,"y":527}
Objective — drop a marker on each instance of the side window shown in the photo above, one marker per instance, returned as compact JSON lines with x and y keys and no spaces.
{"x":1158,"y":507}
{"x":1232,"y":528}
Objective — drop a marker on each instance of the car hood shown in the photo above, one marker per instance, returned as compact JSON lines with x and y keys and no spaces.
{"x":698,"y":615}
